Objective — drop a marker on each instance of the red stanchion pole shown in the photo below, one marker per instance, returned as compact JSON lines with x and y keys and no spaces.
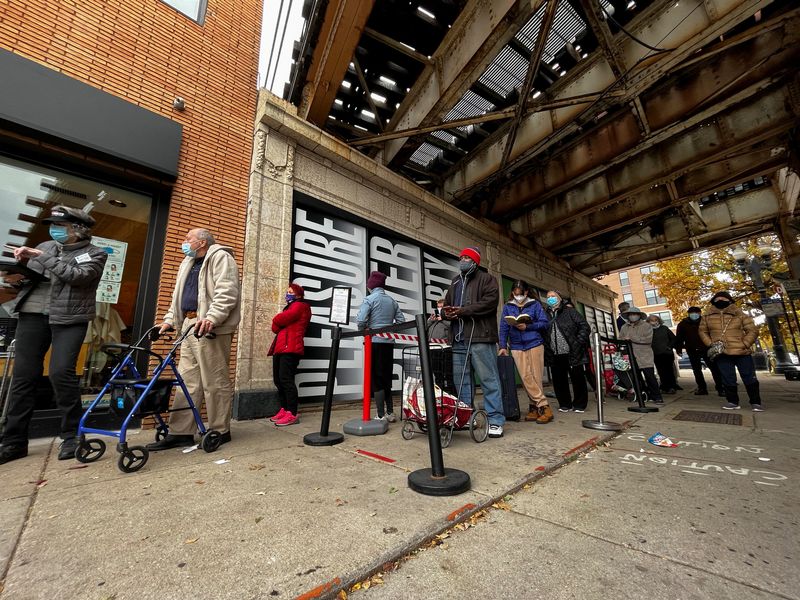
{"x":367,"y":377}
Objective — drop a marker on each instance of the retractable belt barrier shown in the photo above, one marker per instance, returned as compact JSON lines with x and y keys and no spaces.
{"x":436,"y":481}
{"x":597,"y":359}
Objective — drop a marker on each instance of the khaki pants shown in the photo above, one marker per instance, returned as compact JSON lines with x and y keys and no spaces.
{"x":205,"y":368}
{"x":530,"y":364}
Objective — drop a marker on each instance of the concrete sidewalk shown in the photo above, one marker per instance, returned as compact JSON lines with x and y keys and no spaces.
{"x":281,"y":519}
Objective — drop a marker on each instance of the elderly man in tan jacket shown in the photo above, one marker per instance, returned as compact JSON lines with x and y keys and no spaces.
{"x":206,"y":297}
{"x":724,"y":321}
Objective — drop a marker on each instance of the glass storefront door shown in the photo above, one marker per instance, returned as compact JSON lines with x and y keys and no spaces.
{"x":27,"y":192}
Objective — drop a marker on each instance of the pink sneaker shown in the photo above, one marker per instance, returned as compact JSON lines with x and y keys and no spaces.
{"x":277,"y":417}
{"x":288,"y":419}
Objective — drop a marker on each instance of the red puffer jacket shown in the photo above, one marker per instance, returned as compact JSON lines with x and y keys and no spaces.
{"x":290,"y":326}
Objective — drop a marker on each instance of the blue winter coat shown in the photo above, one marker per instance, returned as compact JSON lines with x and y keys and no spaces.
{"x":378,"y":310}
{"x":532,"y":336}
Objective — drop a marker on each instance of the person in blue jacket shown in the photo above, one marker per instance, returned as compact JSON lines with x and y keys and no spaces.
{"x":378,"y":310}
{"x":525,"y":337}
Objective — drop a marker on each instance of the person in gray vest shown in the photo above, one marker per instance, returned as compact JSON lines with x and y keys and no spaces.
{"x":55,"y":309}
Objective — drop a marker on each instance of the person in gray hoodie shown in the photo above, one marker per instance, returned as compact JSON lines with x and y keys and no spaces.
{"x":206,"y":298}
{"x":55,"y":307}
{"x":639,"y":331}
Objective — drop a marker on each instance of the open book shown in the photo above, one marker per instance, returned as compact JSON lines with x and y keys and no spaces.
{"x":521,"y":318}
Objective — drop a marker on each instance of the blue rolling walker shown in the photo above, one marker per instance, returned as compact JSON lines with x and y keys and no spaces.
{"x":132,"y":395}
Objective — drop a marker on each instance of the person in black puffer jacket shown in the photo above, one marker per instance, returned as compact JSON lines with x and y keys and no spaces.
{"x":565,"y":352}
{"x":57,"y":309}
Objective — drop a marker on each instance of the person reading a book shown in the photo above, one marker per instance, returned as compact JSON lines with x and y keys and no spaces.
{"x":54,"y":307}
{"x":522,"y":328}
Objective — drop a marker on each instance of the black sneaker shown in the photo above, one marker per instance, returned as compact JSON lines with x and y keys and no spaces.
{"x":12,"y":452}
{"x":224,"y":438}
{"x":172,"y":441}
{"x":700,"y":392}
{"x":67,"y":449}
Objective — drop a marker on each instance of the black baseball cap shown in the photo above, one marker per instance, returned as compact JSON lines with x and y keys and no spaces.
{"x":66,"y":214}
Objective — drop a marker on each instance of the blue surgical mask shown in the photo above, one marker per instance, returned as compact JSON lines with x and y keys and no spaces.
{"x":465,"y":266}
{"x":290,"y":297}
{"x":59,"y":233}
{"x":186,"y":247}
{"x":552,"y":301}
{"x":694,"y":316}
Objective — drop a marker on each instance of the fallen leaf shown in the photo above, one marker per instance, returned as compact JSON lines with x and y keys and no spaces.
{"x":393,"y":490}
{"x":342,"y":595}
{"x":390,"y":530}
{"x":191,"y":540}
{"x":340,"y":502}
{"x":257,"y":467}
{"x":355,"y":587}
{"x":502,"y":505}
{"x":259,"y":519}
{"x":41,"y":484}
{"x":200,"y":482}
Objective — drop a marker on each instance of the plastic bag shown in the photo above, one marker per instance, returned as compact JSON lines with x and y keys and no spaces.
{"x":659,"y":439}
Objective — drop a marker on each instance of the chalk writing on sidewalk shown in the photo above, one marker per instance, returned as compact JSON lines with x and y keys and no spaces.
{"x":636,"y":437}
{"x":695,"y":468}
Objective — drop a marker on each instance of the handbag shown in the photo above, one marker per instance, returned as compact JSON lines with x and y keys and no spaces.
{"x":718,"y":347}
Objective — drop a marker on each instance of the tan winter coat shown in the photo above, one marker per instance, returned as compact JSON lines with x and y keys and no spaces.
{"x":641,"y":334}
{"x":740,"y":330}
{"x":217,"y":294}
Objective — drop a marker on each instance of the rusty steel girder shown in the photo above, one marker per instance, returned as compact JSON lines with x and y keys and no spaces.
{"x":736,"y":219}
{"x":686,"y":26}
{"x":694,"y":157}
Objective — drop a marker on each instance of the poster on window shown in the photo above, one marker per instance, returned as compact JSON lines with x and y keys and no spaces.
{"x":111,"y":280}
{"x":330,"y":250}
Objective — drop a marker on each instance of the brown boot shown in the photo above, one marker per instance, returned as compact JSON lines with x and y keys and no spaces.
{"x":533,"y":413}
{"x":546,"y":415}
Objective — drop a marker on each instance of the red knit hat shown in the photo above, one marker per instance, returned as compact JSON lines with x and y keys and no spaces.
{"x":297,"y":289}
{"x":473,"y":253}
{"x":376,"y":279}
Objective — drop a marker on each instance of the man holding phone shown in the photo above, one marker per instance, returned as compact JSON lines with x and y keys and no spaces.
{"x":471,"y":306}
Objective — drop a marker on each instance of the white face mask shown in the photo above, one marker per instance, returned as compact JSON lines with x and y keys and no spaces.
{"x":520,"y":299}
{"x":634,"y":318}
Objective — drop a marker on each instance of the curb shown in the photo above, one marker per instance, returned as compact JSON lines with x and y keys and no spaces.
{"x":330,"y":589}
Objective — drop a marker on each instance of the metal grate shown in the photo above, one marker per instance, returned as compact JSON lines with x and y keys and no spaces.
{"x":701,"y":416}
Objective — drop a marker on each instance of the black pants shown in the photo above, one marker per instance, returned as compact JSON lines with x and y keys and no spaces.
{"x":666,"y":371}
{"x":284,"y":369}
{"x":650,"y":380}
{"x":695,"y":359}
{"x":33,"y":338}
{"x":562,"y":372}
{"x":382,"y":366}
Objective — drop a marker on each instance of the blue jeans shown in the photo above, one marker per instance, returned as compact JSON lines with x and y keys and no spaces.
{"x":483,"y":358}
{"x":728,"y":363}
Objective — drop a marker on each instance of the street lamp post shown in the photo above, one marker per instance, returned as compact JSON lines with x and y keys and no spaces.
{"x":754,"y":267}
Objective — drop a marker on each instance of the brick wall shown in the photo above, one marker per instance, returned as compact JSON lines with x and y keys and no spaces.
{"x":148,"y":53}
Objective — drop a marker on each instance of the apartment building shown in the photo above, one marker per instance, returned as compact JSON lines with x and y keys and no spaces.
{"x":631,"y":285}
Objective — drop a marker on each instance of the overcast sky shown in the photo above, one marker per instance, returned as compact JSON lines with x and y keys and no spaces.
{"x":275,"y":17}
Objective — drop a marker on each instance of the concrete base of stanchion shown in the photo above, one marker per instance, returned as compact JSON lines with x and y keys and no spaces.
{"x":642,"y":409}
{"x":453,"y":483}
{"x":604,"y":426}
{"x":361,"y":427}
{"x":317,"y":439}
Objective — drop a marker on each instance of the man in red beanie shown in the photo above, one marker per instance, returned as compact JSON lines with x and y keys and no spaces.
{"x":471,"y":303}
{"x":380,"y":310}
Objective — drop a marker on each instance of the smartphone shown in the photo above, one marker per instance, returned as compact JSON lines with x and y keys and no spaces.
{"x":437,"y":312}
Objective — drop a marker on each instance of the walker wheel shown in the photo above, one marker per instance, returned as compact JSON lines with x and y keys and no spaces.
{"x":161,"y":433}
{"x":210,"y":441}
{"x":90,"y":450}
{"x":133,"y":459}
{"x":446,"y":435}
{"x":479,"y":426}
{"x":408,"y":430}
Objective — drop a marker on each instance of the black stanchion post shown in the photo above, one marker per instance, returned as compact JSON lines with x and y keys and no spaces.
{"x":324,"y":438}
{"x":600,"y":424}
{"x":636,"y":385}
{"x":436,"y":481}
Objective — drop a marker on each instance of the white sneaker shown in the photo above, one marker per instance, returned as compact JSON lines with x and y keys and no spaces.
{"x":578,"y":410}
{"x":495,"y":431}
{"x":391,"y":418}
{"x":564,"y":409}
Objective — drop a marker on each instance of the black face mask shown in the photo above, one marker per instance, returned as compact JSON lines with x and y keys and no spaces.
{"x":721,"y":304}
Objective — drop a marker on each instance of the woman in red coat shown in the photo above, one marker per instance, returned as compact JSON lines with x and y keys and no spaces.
{"x":289,"y":327}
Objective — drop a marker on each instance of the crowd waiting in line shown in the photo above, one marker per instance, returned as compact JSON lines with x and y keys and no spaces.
{"x":56,"y":307}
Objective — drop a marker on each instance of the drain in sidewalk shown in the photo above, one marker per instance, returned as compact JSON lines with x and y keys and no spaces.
{"x":701,"y":416}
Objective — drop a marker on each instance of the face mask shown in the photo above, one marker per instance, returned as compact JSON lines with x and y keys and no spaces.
{"x":633,"y":318}
{"x":59,"y":233}
{"x":552,"y":301}
{"x":519,"y":299}
{"x":290,"y":297}
{"x":465,"y":266}
{"x":721,"y":304}
{"x":186,"y":247}
{"x":694,"y":316}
